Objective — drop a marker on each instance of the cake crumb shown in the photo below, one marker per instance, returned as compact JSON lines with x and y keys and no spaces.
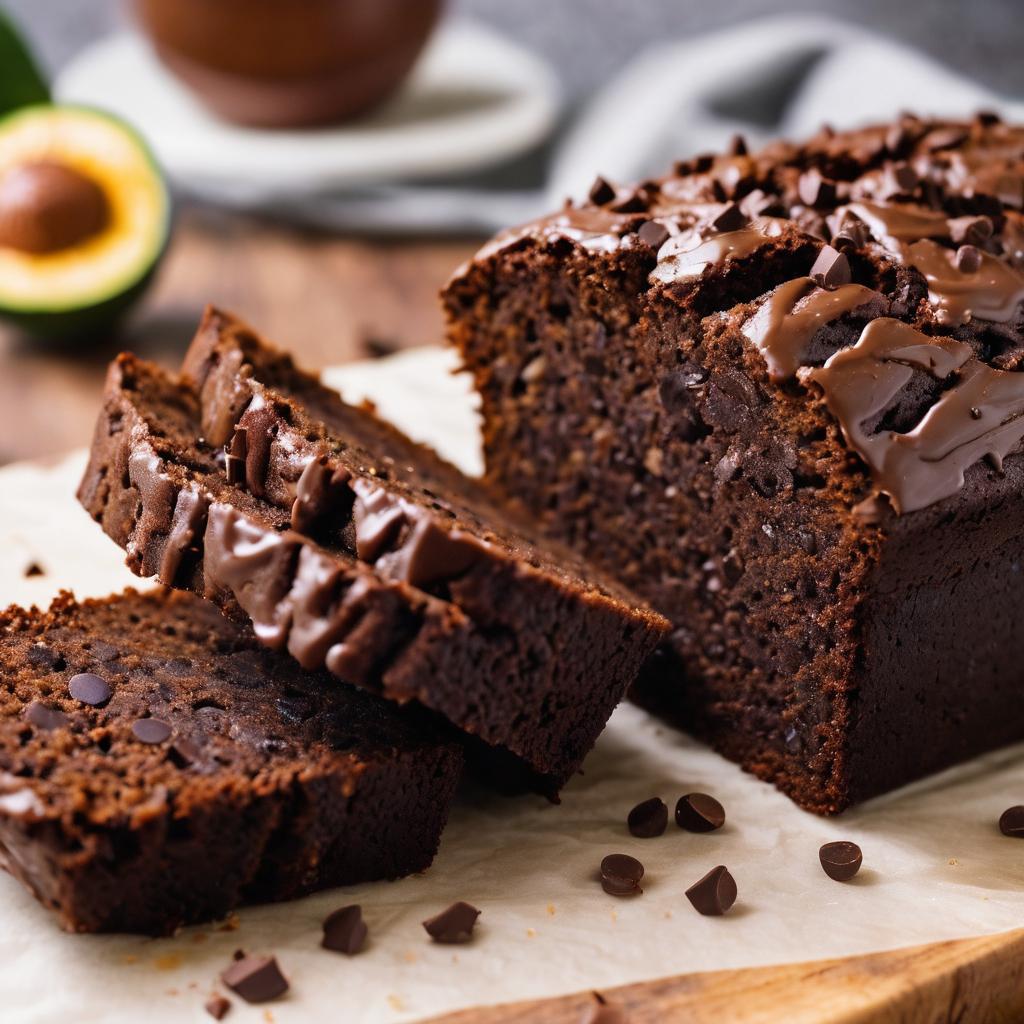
{"x":409,"y":956}
{"x":396,"y":1003}
{"x":167,"y":962}
{"x":551,"y":909}
{"x":531,"y":933}
{"x":231,"y":924}
{"x":953,"y":862}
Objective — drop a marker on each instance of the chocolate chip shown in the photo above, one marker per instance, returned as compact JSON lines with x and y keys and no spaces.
{"x":621,"y":875}
{"x":345,"y":930}
{"x":601,"y":192}
{"x":235,"y":452}
{"x":648,"y":819}
{"x":1011,"y":822}
{"x":454,"y":924}
{"x":42,"y":716}
{"x":150,"y":730}
{"x":831,"y":269}
{"x":257,"y":979}
{"x":653,"y":233}
{"x":184,"y":753}
{"x":46,"y":658}
{"x":896,"y":139}
{"x":703,"y":162}
{"x":816,"y":190}
{"x":944,"y":138}
{"x":698,"y":812}
{"x":637,"y":201}
{"x":600,"y":1011}
{"x":841,"y":860}
{"x":901,"y":178}
{"x":729,"y":218}
{"x":89,"y":688}
{"x":738,"y":145}
{"x":970,"y":230}
{"x":987,"y":118}
{"x":217,"y":1007}
{"x":968,"y":259}
{"x":1010,"y":190}
{"x":34,"y":569}
{"x":713,"y":894}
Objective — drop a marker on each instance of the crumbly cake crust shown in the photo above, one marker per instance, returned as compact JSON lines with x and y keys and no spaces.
{"x":158,"y":767}
{"x":777,"y":395}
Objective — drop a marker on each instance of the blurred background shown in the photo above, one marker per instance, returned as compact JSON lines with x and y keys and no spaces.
{"x":334,"y":240}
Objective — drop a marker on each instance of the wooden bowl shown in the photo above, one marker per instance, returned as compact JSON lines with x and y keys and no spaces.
{"x":289,"y":63}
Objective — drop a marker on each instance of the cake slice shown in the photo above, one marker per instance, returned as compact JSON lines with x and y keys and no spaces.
{"x":159,"y":767}
{"x":779,"y":395}
{"x":531,"y":664}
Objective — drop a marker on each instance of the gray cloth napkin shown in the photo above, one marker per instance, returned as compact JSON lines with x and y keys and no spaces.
{"x":783,"y":75}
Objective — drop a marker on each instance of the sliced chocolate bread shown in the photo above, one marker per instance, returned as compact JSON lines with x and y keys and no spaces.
{"x":534,"y":671}
{"x":158,"y":767}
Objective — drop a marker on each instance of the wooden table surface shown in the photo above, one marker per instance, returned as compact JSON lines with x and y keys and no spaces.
{"x":332,"y":300}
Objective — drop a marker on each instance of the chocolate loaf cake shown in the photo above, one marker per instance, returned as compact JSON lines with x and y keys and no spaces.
{"x":779,"y":395}
{"x":528,"y":662}
{"x":159,"y":767}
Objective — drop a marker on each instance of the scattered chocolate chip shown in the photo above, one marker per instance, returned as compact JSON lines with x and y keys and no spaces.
{"x":45,"y":658}
{"x":217,"y":1007}
{"x":184,"y":753}
{"x":34,"y":569}
{"x":150,"y":730}
{"x":987,"y":118}
{"x":738,"y":145}
{"x":730,"y":218}
{"x":968,"y":259}
{"x":345,"y":930}
{"x":698,"y":812}
{"x":621,"y":875}
{"x":713,"y":894}
{"x":841,"y":860}
{"x":42,"y":716}
{"x":653,"y":233}
{"x":896,"y":138}
{"x":600,"y":1011}
{"x":601,"y":192}
{"x":454,"y":924}
{"x":703,"y":162}
{"x":816,"y":190}
{"x":970,"y":230}
{"x":89,"y":688}
{"x":637,"y":201}
{"x":901,"y":178}
{"x":1011,"y":822}
{"x":831,"y":269}
{"x":234,"y":456}
{"x":648,"y":819}
{"x":257,"y":979}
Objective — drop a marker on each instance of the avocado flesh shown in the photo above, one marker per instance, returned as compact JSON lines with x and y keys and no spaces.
{"x":82,"y":287}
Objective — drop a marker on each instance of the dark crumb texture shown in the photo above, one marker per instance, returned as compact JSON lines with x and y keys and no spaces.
{"x":529,"y":663}
{"x":259,"y":782}
{"x":777,"y":395}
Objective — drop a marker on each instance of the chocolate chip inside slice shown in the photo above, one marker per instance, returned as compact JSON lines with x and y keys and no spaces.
{"x":730,"y":218}
{"x":89,"y":688}
{"x":1011,"y":822}
{"x":345,"y":930}
{"x":698,"y":812}
{"x":257,"y":979}
{"x":217,"y":1007}
{"x":653,"y":233}
{"x":840,"y":860}
{"x":601,"y":192}
{"x":150,"y":730}
{"x":831,"y":269}
{"x":713,"y":894}
{"x":648,"y":819}
{"x":454,"y":924}
{"x":42,"y":716}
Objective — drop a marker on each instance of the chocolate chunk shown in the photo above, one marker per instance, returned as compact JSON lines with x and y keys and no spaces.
{"x":713,"y":894}
{"x":944,"y":138}
{"x":601,"y":192}
{"x":968,"y":259}
{"x":901,"y":178}
{"x":46,"y":658}
{"x":1011,"y":822}
{"x":703,"y":162}
{"x":816,"y":190}
{"x":841,"y":860}
{"x":636,"y":201}
{"x":345,"y":930}
{"x":257,"y":979}
{"x":730,"y":218}
{"x":621,"y":875}
{"x":34,"y":569}
{"x":970,"y":230}
{"x":42,"y":716}
{"x":1010,"y":190}
{"x":235,"y":452}
{"x":184,"y":753}
{"x":738,"y":145}
{"x":454,"y":924}
{"x":89,"y":689}
{"x":648,"y":819}
{"x":653,"y":233}
{"x":831,"y":269}
{"x":600,"y":1011}
{"x":217,"y":1007}
{"x":698,"y":812}
{"x":151,"y":730}
{"x":896,"y":139}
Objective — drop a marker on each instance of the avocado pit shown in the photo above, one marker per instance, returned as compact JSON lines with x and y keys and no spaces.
{"x":46,"y":207}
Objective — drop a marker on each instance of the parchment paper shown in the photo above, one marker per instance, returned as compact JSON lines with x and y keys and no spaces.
{"x":935,"y":865}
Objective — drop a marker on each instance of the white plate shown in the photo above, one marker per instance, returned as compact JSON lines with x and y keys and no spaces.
{"x":474,"y":99}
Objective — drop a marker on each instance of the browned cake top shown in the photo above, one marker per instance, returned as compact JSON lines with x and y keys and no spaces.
{"x":916,"y":228}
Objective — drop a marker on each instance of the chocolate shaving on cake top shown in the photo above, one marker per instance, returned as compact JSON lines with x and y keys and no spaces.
{"x":942,"y":201}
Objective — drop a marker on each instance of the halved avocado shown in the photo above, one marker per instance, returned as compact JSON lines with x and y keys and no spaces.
{"x":84,"y":219}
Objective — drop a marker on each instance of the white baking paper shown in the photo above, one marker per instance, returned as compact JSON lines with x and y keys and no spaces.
{"x":935,"y":865}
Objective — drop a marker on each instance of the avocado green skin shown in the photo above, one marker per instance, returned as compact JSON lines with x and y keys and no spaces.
{"x":99,"y":317}
{"x":21,"y":83}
